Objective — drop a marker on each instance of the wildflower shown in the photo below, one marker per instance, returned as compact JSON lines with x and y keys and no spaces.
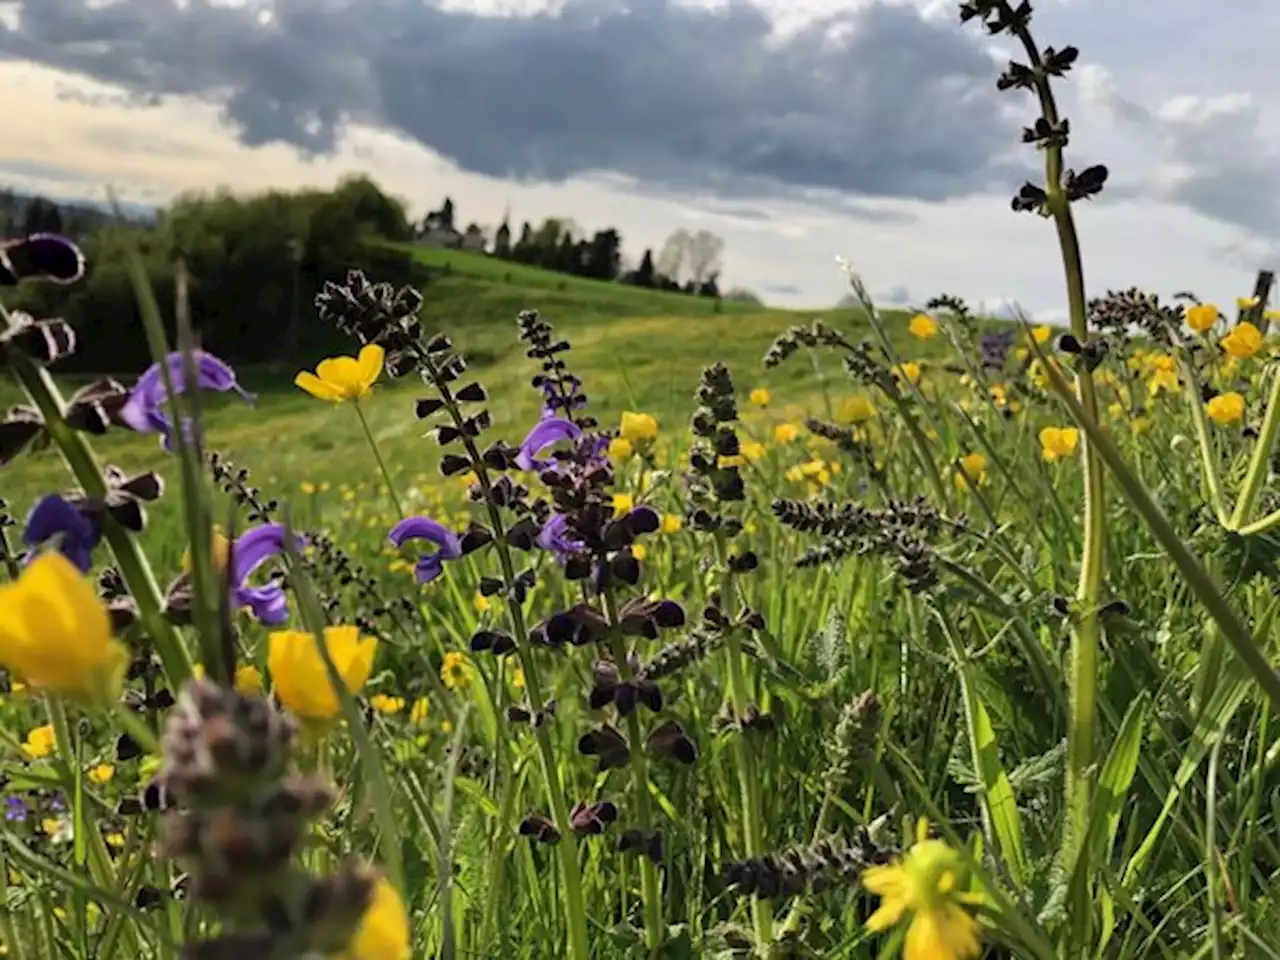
{"x":219,"y":550}
{"x":1164,"y":374}
{"x":1058,"y":442}
{"x":101,"y":773}
{"x":622,"y":503}
{"x":908,"y":371}
{"x":340,"y":379}
{"x":1225,"y":408}
{"x":922,"y":327}
{"x":298,"y":672}
{"x":786,"y":432}
{"x":114,"y":840}
{"x":925,"y":886}
{"x":1042,"y":333}
{"x":58,"y":829}
{"x":517,"y":678}
{"x":974,"y":468}
{"x":307,"y":488}
{"x":384,"y":929}
{"x":481,"y":603}
{"x":620,"y":449}
{"x":638,"y":551}
{"x":145,"y":411}
{"x":430,"y":565}
{"x":15,"y":809}
{"x":857,"y":408}
{"x":672,"y":523}
{"x":1246,"y":303}
{"x":546,"y":433}
{"x":55,"y":632}
{"x":760,"y":397}
{"x":638,"y":426}
{"x":420,"y":710}
{"x":77,"y":535}
{"x":248,"y":681}
{"x":252,"y":549}
{"x":48,"y":256}
{"x":454,"y":671}
{"x":555,"y":537}
{"x":386,"y":704}
{"x":1242,"y":342}
{"x":40,"y":742}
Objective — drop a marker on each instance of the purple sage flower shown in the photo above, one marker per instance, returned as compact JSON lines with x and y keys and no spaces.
{"x":46,"y":256}
{"x":57,"y":804}
{"x":15,"y":809}
{"x":430,"y":565}
{"x":546,"y":433}
{"x":145,"y":411}
{"x":53,"y":517}
{"x":251,"y":550}
{"x":555,"y":537}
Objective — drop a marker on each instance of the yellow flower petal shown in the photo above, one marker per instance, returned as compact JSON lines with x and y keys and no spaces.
{"x":318,"y":388}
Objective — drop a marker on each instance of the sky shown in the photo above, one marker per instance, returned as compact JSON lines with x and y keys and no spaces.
{"x":798,"y":130}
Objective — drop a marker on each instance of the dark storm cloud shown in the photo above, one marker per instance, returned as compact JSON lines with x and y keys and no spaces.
{"x":878,"y":102}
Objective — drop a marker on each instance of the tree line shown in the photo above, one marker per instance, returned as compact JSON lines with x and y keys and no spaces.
{"x":688,"y":262}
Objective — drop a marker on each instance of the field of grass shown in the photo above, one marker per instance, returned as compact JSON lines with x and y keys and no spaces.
{"x":905,"y":643}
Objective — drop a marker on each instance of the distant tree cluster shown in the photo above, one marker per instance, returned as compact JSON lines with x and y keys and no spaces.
{"x":254,"y":266}
{"x":687,"y":262}
{"x":22,"y":215}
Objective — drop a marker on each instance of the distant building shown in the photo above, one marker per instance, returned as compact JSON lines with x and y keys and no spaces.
{"x":474,"y":240}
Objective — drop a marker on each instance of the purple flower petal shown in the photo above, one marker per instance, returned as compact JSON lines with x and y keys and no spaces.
{"x":544,"y":434}
{"x":430,"y":565}
{"x":55,"y":517}
{"x":145,"y":410}
{"x":252,"y":549}
{"x":554,"y":537}
{"x":267,"y":603}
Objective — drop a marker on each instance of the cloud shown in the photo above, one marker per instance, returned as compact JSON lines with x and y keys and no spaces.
{"x":879,"y":101}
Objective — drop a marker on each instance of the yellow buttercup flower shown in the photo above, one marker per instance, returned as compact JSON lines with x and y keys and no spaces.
{"x":923,"y":889}
{"x":517,"y":678}
{"x":1246,"y":303}
{"x":481,"y":603}
{"x":908,"y":371}
{"x":1202,"y":317}
{"x":386,"y":704}
{"x":1042,"y":333}
{"x":420,"y":710}
{"x":638,"y":551}
{"x":974,"y":470}
{"x":672,"y":523}
{"x":298,"y":671}
{"x":1225,"y":408}
{"x":102,"y":773}
{"x":923,"y":327}
{"x":637,"y":427}
{"x":339,"y":379}
{"x":40,"y":742}
{"x":786,"y":432}
{"x":219,"y":550}
{"x":1164,"y":374}
{"x":622,"y":503}
{"x":248,"y":681}
{"x":383,"y":933}
{"x":856,"y":409}
{"x":620,"y":448}
{"x":55,"y":633}
{"x":760,"y":397}
{"x":1058,"y":443}
{"x":1242,"y":342}
{"x":454,"y":671}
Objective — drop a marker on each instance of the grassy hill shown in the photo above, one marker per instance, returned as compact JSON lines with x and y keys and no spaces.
{"x":635,"y":349}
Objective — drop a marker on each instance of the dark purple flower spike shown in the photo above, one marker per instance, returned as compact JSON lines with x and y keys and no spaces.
{"x":145,"y":411}
{"x":46,"y":256}
{"x":430,"y":565}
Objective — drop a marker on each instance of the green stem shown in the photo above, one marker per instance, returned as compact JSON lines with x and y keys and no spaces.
{"x":1260,"y":466}
{"x":1208,"y":456}
{"x":743,"y":750}
{"x":1086,"y":635}
{"x":650,"y":888}
{"x":130,"y":560}
{"x":1197,"y":578}
{"x":377,"y":455}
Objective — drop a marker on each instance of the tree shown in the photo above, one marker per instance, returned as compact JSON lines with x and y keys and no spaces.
{"x":643,"y":275}
{"x":42,"y":216}
{"x":703,"y":254}
{"x":604,"y":255}
{"x":502,"y":241}
{"x":673,"y":256}
{"x":445,"y":214}
{"x":743,"y":295}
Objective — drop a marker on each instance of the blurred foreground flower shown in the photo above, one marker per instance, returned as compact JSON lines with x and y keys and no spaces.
{"x":924,"y":889}
{"x":340,"y":379}
{"x":1058,"y":443}
{"x":55,"y":632}
{"x":1225,"y":408}
{"x":1242,"y":342}
{"x":298,"y":673}
{"x":77,"y":535}
{"x":384,"y":928}
{"x":760,"y":397}
{"x":974,"y":468}
{"x":47,"y":256}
